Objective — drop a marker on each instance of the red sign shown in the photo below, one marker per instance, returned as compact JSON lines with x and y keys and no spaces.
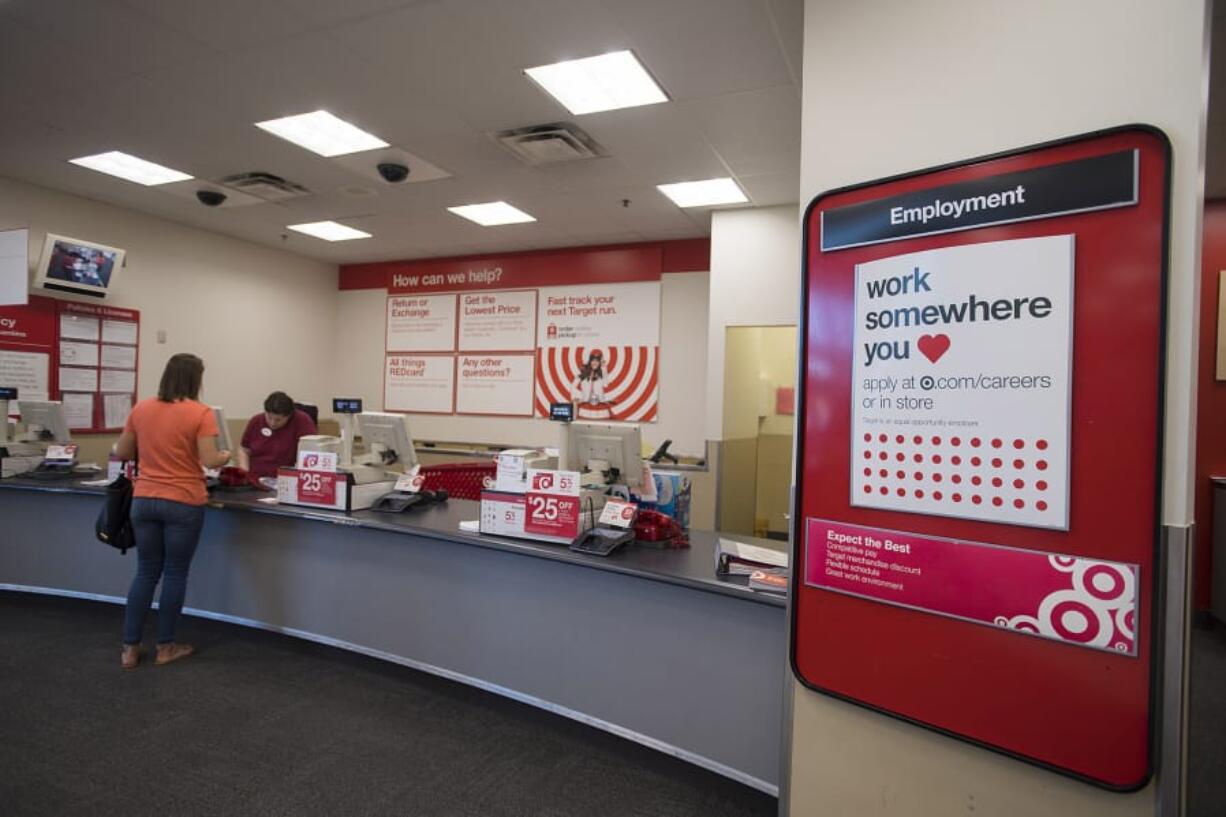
{"x":552,"y":515}
{"x":99,"y":311}
{"x":1087,"y":602}
{"x":929,"y":634}
{"x":28,"y":327}
{"x":318,"y":487}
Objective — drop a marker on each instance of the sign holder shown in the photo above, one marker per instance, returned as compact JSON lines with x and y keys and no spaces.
{"x":898,"y":604}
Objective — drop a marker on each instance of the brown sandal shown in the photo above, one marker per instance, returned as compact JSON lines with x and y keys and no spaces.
{"x":172,"y":652}
{"x":130,"y":657}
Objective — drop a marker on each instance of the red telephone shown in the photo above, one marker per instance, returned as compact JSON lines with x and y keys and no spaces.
{"x":654,"y":527}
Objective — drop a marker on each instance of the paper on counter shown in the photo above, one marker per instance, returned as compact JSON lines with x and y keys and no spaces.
{"x":268,"y":500}
{"x":753,"y":553}
{"x":115,"y":380}
{"x":77,"y":379}
{"x":115,"y":410}
{"x":78,"y":327}
{"x":119,"y":332}
{"x":471,"y":525}
{"x":78,"y":410}
{"x":119,"y":357}
{"x":78,"y":354}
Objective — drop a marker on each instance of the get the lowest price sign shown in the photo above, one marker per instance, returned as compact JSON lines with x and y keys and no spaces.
{"x":960,"y":389}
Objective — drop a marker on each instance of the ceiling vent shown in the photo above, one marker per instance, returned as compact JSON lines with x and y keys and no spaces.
{"x":550,"y":144}
{"x":265,"y":186}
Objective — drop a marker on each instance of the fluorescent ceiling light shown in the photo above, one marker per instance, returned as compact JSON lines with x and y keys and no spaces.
{"x":126,"y":166}
{"x":492,"y":213}
{"x":322,"y":133}
{"x":329,"y":231}
{"x":603,"y":83}
{"x":703,"y":194}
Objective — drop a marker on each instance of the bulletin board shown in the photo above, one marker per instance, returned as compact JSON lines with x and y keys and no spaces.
{"x":978,"y":478}
{"x":96,"y":357}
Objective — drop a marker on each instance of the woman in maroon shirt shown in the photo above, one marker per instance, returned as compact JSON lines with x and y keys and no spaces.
{"x":271,"y":439}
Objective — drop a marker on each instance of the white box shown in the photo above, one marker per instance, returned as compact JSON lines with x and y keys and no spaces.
{"x":514,"y":464}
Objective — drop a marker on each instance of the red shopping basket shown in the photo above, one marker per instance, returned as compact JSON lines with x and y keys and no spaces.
{"x":461,"y":480}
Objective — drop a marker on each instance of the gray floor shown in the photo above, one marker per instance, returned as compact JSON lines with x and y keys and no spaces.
{"x":259,"y":724}
{"x":1207,"y":719}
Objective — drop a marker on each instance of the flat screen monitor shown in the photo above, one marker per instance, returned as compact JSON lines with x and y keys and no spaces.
{"x":223,"y":430}
{"x":619,"y":445}
{"x":74,"y":265}
{"x":46,"y":418}
{"x":389,"y":435}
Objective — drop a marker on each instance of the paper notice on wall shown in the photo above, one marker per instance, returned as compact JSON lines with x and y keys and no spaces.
{"x":119,"y":357}
{"x":421,"y":323}
{"x":78,"y":410}
{"x":600,"y":315}
{"x":78,"y":327}
{"x":119,"y":332}
{"x":14,"y":266}
{"x":494,"y":384}
{"x":115,"y":409}
{"x":118,"y":380}
{"x":961,"y":382}
{"x":498,"y":321}
{"x":78,"y":379}
{"x":25,"y":371}
{"x":78,"y":354}
{"x":424,"y":383}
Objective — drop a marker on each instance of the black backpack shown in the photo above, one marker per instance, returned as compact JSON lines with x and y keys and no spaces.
{"x":114,"y":525}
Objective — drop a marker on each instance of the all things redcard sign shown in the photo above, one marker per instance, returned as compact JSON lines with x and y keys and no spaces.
{"x":979,"y":450}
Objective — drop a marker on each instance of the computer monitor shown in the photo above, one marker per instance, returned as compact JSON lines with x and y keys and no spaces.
{"x":621,"y":446}
{"x":47,"y":416}
{"x":223,"y":430}
{"x":388,"y":435}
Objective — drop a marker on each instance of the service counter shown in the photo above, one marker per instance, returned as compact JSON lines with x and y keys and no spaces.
{"x":646,"y":644}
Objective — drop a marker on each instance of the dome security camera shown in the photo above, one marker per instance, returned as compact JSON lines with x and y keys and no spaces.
{"x":392,"y":171}
{"x":210,"y":198}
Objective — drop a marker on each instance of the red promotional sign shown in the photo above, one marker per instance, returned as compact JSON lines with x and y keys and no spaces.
{"x":552,"y":515}
{"x":318,"y":487}
{"x":967,"y":334}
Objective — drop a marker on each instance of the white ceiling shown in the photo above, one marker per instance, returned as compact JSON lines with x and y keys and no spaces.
{"x":180,"y":82}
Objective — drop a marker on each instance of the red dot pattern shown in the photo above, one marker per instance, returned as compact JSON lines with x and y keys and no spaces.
{"x":937,"y":468}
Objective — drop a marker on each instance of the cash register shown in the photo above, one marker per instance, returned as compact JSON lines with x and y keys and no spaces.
{"x":45,"y":449}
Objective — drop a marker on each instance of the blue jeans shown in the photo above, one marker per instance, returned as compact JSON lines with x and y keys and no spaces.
{"x":166,"y":536}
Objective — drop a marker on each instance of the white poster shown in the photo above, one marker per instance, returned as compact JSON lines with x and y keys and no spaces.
{"x":119,"y":332}
{"x":494,"y":384}
{"x":961,"y":382}
{"x":600,"y":315}
{"x":118,"y":380}
{"x":119,"y":357}
{"x":78,"y":354}
{"x":421,"y":383}
{"x":78,"y":410}
{"x":421,"y":323}
{"x":78,"y":327}
{"x":498,"y":321}
{"x":14,"y":266}
{"x":77,"y":379}
{"x":115,"y":410}
{"x":27,"y":372}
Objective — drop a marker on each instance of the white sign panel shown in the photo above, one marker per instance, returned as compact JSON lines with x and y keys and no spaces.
{"x":497,"y":321}
{"x":494,"y":384}
{"x":600,"y":315}
{"x":422,"y":383}
{"x":78,"y":354}
{"x":961,"y":382}
{"x":14,"y":266}
{"x":421,"y":323}
{"x":26,"y":371}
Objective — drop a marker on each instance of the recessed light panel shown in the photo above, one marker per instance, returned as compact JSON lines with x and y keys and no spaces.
{"x":492,"y":213}
{"x":603,"y":83}
{"x":321,"y":132}
{"x":704,"y":193}
{"x":131,"y":168}
{"x":329,"y":231}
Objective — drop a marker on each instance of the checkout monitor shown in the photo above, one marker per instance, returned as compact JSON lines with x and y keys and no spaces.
{"x":391,"y":433}
{"x":223,"y":430}
{"x":620,"y":446}
{"x":47,"y":418}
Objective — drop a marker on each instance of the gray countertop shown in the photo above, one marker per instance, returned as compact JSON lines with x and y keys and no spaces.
{"x":689,"y":567}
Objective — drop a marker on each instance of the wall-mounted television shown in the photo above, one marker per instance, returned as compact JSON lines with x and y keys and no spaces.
{"x":73,"y":265}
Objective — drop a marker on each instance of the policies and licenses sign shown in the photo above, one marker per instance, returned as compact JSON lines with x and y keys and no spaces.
{"x":1078,"y":186}
{"x":961,"y":382}
{"x":1087,"y":602}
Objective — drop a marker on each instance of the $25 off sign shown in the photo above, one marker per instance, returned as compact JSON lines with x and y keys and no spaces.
{"x":552,"y":504}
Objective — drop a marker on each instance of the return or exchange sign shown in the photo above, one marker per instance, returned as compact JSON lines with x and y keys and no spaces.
{"x":961,"y":382}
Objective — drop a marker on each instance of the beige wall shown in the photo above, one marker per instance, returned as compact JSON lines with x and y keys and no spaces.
{"x":262,"y":319}
{"x":892,"y":86}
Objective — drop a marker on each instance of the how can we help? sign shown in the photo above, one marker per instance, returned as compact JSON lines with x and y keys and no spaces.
{"x":961,"y":382}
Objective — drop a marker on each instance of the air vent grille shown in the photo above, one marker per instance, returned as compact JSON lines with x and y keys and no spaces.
{"x":551,"y":143}
{"x":266,"y":186}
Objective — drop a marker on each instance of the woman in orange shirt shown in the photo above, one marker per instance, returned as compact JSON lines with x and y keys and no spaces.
{"x":175,"y":437}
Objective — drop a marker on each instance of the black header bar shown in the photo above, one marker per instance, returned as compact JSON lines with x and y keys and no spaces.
{"x":1079,"y":186}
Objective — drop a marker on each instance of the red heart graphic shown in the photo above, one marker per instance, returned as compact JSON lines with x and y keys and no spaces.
{"x":933,"y":346}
